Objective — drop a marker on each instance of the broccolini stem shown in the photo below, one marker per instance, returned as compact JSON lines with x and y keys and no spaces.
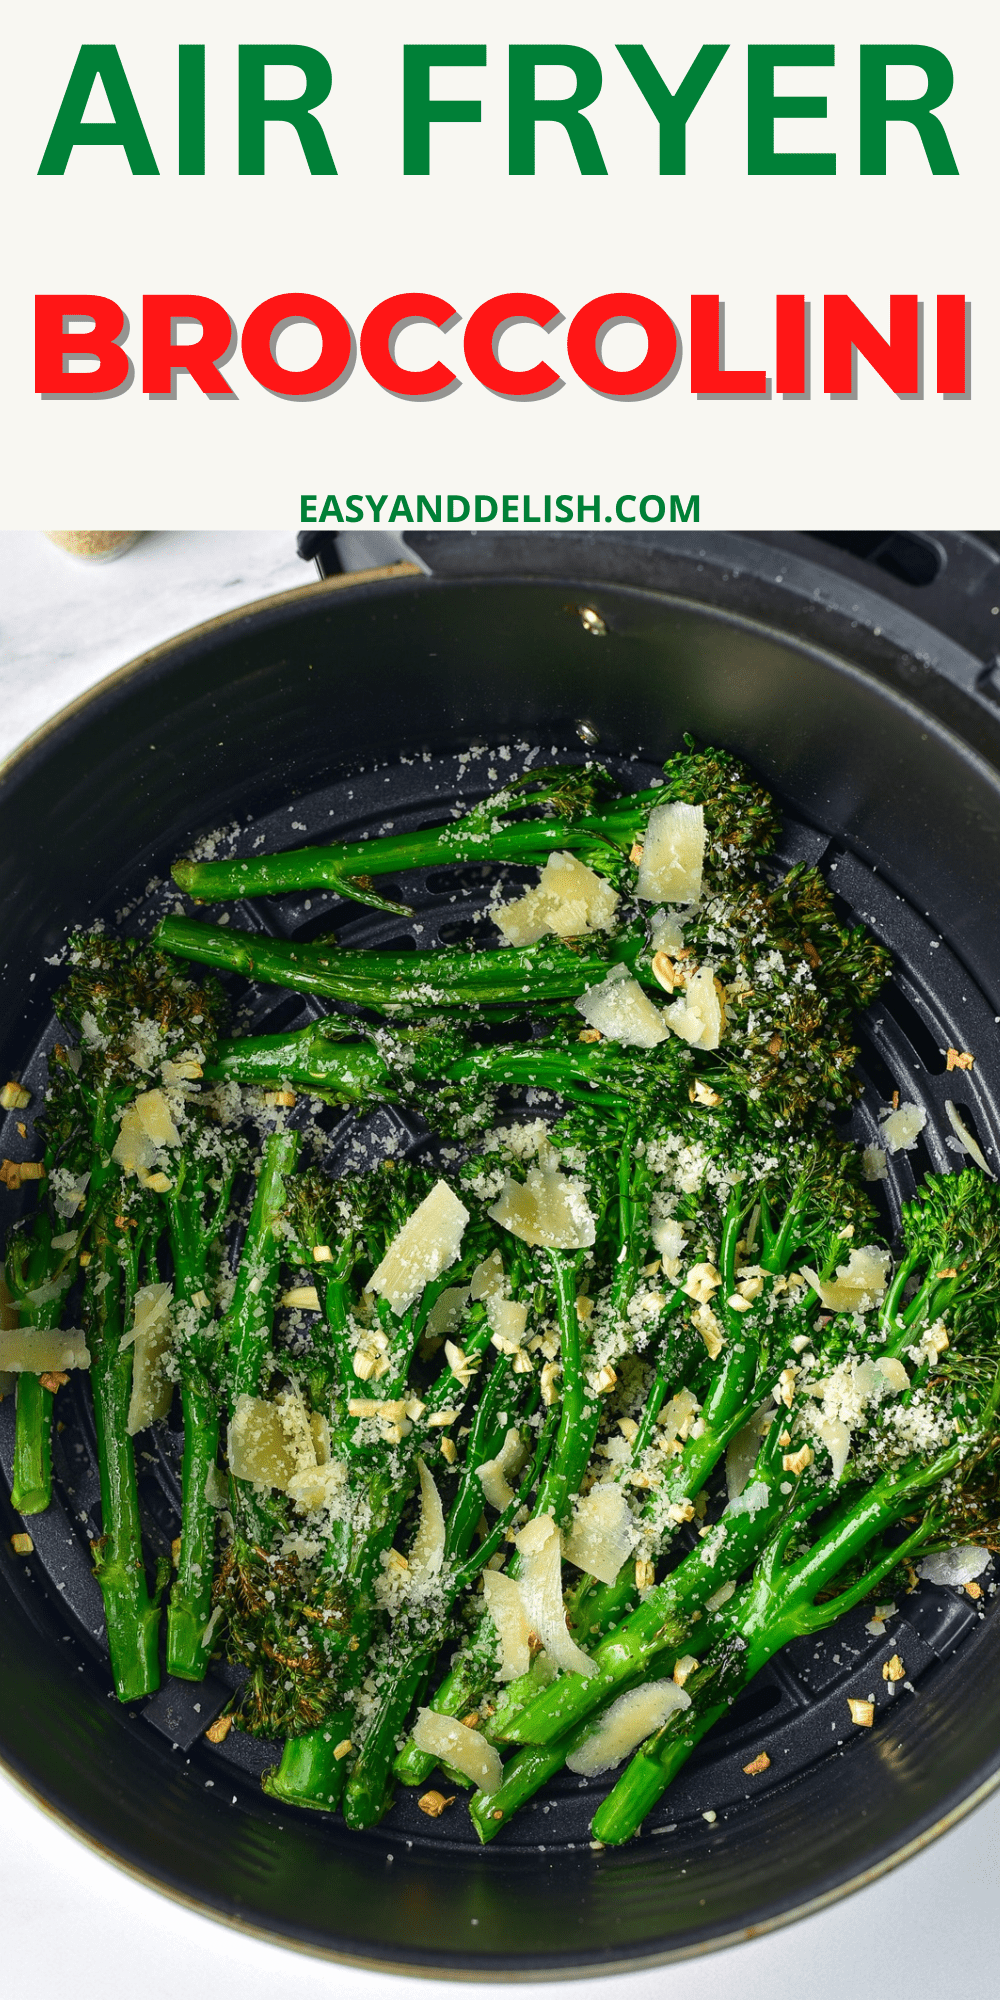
{"x":580,"y":1412}
{"x":248,"y":1321}
{"x":308,"y":1058}
{"x":190,"y":1608}
{"x":311,"y":1773}
{"x":339,"y":866}
{"x":31,"y":1487}
{"x":368,"y":1793}
{"x":132,"y":1620}
{"x":401,"y":982}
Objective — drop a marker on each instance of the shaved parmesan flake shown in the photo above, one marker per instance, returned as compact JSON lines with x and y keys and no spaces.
{"x":620,"y":1009}
{"x":540,"y":1583}
{"x":427,"y":1552}
{"x":895,"y":1374}
{"x":625,"y":1725}
{"x":741,"y":1452}
{"x":969,"y":1144}
{"x":508,"y":1318}
{"x":751,"y":1500}
{"x":495,"y":1474}
{"x":673,"y":854}
{"x":547,"y":1209}
{"x":837,"y":1439}
{"x":258,"y":1448}
{"x":305,"y":1298}
{"x":697,"y":1017}
{"x":146,"y":1128}
{"x":570,"y":899}
{"x":858,"y":1285}
{"x":447,"y":1312}
{"x":427,"y":1244}
{"x":29,"y":1350}
{"x":274,"y":1443}
{"x":503,"y":1602}
{"x":451,"y":1742}
{"x":669,"y":1239}
{"x":602,"y":1537}
{"x":956,"y":1567}
{"x":666,"y":932}
{"x":489,"y":1278}
{"x":68,"y":1191}
{"x":902,"y":1128}
{"x":151,"y":1337}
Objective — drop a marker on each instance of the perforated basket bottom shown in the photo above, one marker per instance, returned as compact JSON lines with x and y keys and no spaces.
{"x":796,"y":1710}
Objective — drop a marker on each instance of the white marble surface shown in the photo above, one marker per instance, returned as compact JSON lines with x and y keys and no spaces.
{"x":70,"y":1917}
{"x":64,"y":623}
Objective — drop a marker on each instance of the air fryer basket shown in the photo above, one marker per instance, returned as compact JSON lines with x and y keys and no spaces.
{"x":294,"y":716}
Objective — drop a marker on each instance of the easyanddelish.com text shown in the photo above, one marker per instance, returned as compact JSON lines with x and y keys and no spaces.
{"x":508,"y":509}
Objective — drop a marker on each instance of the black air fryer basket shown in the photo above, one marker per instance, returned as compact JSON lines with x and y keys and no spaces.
{"x":856,"y":675}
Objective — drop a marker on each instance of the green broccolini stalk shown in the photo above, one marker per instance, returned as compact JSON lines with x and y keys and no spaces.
{"x":133,"y":1013}
{"x":510,"y":825}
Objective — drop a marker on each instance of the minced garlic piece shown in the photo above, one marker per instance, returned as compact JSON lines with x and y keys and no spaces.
{"x":303,"y":1297}
{"x":433,"y":1803}
{"x":757,"y":1765}
{"x":701,"y":1281}
{"x":894,"y":1669}
{"x":14,"y":1097}
{"x":14,"y":1173}
{"x":862,"y":1712}
{"x":797,"y":1461}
